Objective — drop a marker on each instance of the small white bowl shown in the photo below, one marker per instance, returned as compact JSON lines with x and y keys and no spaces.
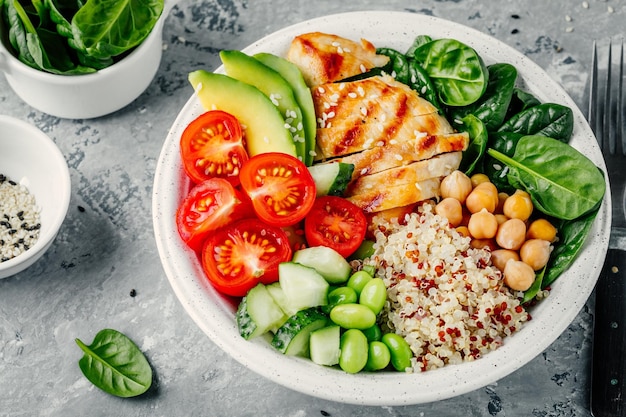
{"x":29,"y":157}
{"x":89,"y":95}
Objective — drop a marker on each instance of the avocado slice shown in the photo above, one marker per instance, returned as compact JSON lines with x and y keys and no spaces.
{"x":292,"y":74}
{"x":264,"y":126}
{"x":251,"y":71}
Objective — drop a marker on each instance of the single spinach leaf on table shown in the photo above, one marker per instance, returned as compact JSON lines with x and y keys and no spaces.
{"x":562,"y":182}
{"x":115,"y":364}
{"x":457,"y":71}
{"x":547,"y":119}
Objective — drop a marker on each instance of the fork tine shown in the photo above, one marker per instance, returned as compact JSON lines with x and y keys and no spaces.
{"x":592,"y":114}
{"x":619,"y":105}
{"x":607,"y":142}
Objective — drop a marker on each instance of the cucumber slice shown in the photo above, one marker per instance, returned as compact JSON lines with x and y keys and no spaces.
{"x":277,"y":293}
{"x":326,"y":261}
{"x":293,"y":337}
{"x":331,"y":178}
{"x":258,"y":313}
{"x":304,"y":287}
{"x":324,"y":345}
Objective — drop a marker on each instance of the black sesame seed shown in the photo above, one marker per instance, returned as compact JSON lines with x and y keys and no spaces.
{"x":324,"y":413}
{"x":81,"y":209}
{"x":12,"y":182}
{"x":514,"y":16}
{"x":133,"y":292}
{"x":514,"y":31}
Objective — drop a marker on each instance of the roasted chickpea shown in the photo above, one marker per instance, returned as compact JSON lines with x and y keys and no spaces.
{"x":501,"y":218}
{"x":500,"y":257}
{"x":511,"y":234}
{"x":451,"y":209}
{"x":463,"y":231}
{"x":483,"y":196}
{"x":479,"y":179}
{"x":483,"y":225}
{"x":536,"y":253}
{"x":484,"y":244}
{"x":518,"y":275}
{"x":456,"y":185}
{"x":541,"y":229}
{"x":518,"y":206}
{"x":501,"y":199}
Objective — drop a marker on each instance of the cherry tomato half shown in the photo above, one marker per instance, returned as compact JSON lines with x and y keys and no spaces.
{"x":280,"y":187}
{"x":337,"y":223}
{"x":212,"y":146}
{"x":209,"y":205}
{"x":239,"y":256}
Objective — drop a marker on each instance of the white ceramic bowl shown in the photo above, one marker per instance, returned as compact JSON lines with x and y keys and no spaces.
{"x":214,"y":314}
{"x":89,"y":95}
{"x":29,"y":157}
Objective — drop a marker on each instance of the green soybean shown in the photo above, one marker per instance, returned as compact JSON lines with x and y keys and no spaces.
{"x":378,"y":356}
{"x":400,"y":350}
{"x":358,"y":280}
{"x":354,"y":351}
{"x":373,"y":333}
{"x":374,"y":295}
{"x":340,"y":295}
{"x":353,"y":316}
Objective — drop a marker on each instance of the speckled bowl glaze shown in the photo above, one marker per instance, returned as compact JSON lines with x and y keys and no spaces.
{"x":89,"y":95}
{"x":29,"y":157}
{"x":214,"y":314}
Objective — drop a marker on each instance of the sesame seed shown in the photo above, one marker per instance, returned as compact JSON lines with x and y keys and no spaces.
{"x":352,"y":95}
{"x":585,"y":5}
{"x":362,"y":68}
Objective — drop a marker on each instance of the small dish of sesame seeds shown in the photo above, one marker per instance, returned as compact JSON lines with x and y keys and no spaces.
{"x":34,"y":194}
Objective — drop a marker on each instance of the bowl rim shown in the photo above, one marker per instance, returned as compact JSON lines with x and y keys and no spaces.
{"x":52,"y":151}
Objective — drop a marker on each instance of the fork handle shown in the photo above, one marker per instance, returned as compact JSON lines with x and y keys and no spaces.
{"x":608,"y":375}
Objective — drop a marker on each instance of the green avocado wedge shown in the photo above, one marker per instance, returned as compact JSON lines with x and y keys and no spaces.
{"x":249,"y":70}
{"x":264,"y":126}
{"x":291,"y":73}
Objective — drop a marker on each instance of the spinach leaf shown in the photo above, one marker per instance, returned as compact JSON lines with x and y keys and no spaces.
{"x":455,"y":69}
{"x":115,"y":364}
{"x":107,"y":28}
{"x":547,"y":119}
{"x":420,"y":82}
{"x":492,"y":106}
{"x":504,"y":142}
{"x":534,"y":289}
{"x":520,"y":101}
{"x":417,"y":42}
{"x":399,"y":64}
{"x":572,"y":236}
{"x":473,"y":155}
{"x":562,"y":182}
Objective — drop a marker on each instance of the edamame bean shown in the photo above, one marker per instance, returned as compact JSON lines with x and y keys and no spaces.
{"x":358,"y":280}
{"x":341,"y":295}
{"x":400,"y":351}
{"x":373,"y":333}
{"x":353,"y":316}
{"x":354,"y":351}
{"x":378,"y":356}
{"x":374,"y":295}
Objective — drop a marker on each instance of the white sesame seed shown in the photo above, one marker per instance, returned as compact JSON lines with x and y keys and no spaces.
{"x":363,"y":111}
{"x":610,"y":9}
{"x":568,"y":18}
{"x":352,"y":95}
{"x":342,"y":86}
{"x":362,"y":68}
{"x":321,"y":90}
{"x":361,"y":91}
{"x":398,"y":157}
{"x":585,"y":5}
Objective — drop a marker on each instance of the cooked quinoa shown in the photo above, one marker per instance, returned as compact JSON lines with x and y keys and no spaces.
{"x":444,"y":297}
{"x":19,"y":219}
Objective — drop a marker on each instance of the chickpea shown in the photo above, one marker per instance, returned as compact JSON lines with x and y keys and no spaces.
{"x":518,"y":206}
{"x":463,"y":231}
{"x":501,"y":199}
{"x":518,"y":275}
{"x":536,"y":253}
{"x":541,"y":229}
{"x":501,"y":218}
{"x":483,"y":225}
{"x":500,"y":257}
{"x":451,"y":209}
{"x":511,"y":234}
{"x":484,"y":195}
{"x":484,"y":244}
{"x":479,"y":179}
{"x":456,"y":185}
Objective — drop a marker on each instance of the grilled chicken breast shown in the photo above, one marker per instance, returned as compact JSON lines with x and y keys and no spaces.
{"x":324,"y":58}
{"x":392,"y":196}
{"x":376,"y":111}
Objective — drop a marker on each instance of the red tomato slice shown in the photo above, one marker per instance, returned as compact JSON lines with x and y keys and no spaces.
{"x":212,"y":146}
{"x":209,"y":205}
{"x":280,"y":187}
{"x":239,"y":256}
{"x":337,"y":223}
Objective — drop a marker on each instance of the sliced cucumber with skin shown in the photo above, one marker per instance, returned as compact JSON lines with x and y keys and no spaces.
{"x":331,"y":178}
{"x":303,"y":286}
{"x":277,"y":293}
{"x":325,"y":345}
{"x":258,"y":313}
{"x":293,"y":337}
{"x":326,"y":261}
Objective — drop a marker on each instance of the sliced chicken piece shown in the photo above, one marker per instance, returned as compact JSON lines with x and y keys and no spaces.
{"x":397,"y":154}
{"x":376,"y":111}
{"x":438,"y":166}
{"x":388,"y":196}
{"x":324,"y":58}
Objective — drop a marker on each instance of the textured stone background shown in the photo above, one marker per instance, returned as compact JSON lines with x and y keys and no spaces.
{"x":106,"y":246}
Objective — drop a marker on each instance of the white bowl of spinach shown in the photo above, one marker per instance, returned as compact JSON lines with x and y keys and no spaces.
{"x":80,"y":59}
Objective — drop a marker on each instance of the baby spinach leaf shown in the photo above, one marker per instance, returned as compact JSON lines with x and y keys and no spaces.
{"x":520,"y":101}
{"x":473,"y":155}
{"x":532,"y":292}
{"x":547,"y":119}
{"x":417,"y":42}
{"x":561,"y":181}
{"x":456,"y":70}
{"x":399,"y":64}
{"x":504,"y":142}
{"x":115,"y":364}
{"x":420,"y":82}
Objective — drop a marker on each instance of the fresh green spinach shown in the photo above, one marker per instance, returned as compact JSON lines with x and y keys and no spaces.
{"x":562,"y":182}
{"x":420,"y":82}
{"x":399,"y":64}
{"x":115,"y":364}
{"x":546,"y":119}
{"x":478,"y":143}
